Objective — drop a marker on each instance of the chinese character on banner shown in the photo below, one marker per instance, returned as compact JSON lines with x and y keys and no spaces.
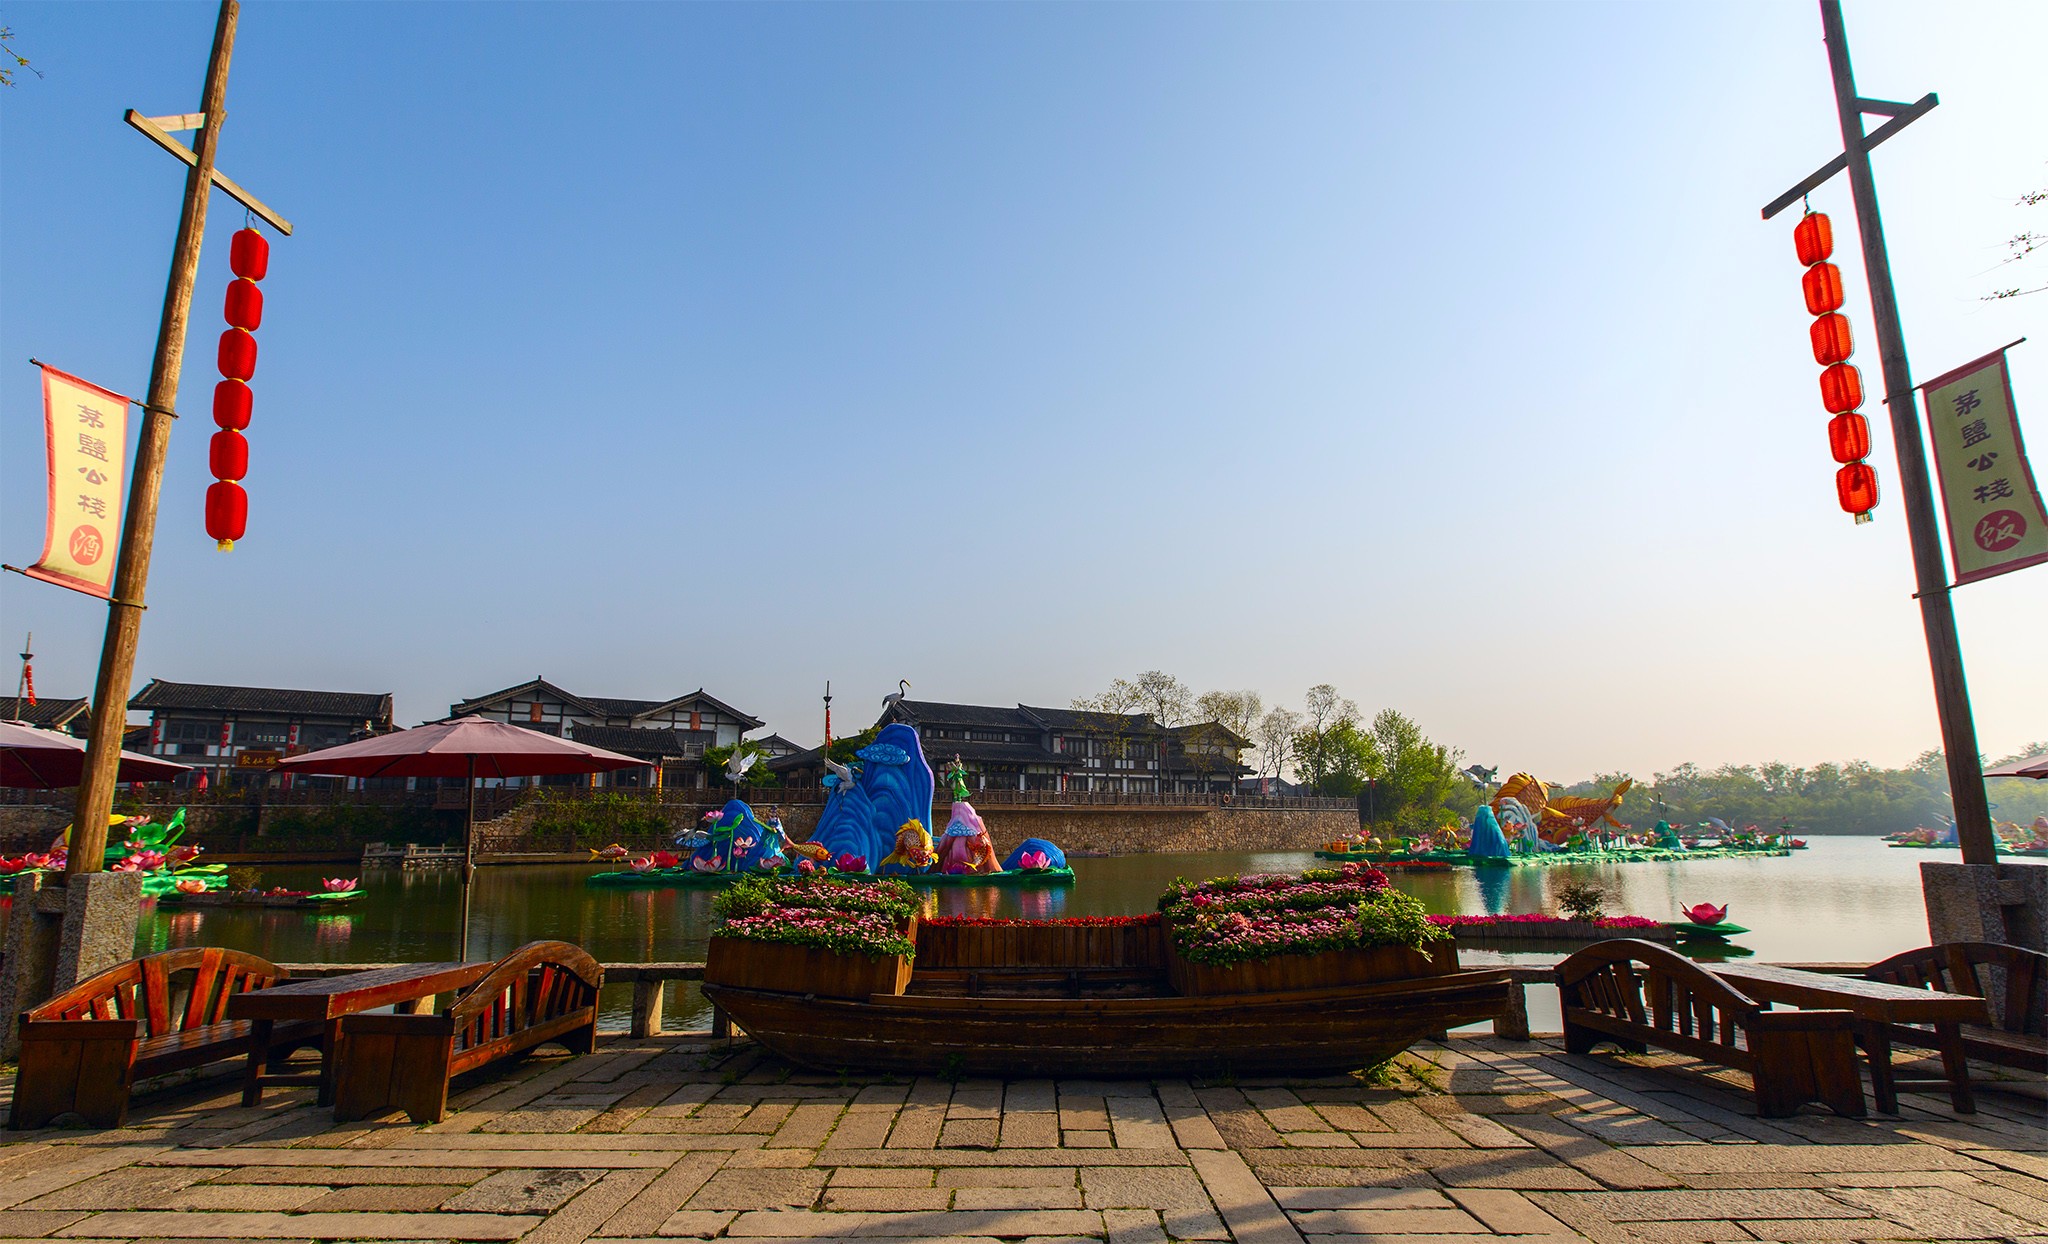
{"x":1996,"y":521}
{"x":87,"y":431}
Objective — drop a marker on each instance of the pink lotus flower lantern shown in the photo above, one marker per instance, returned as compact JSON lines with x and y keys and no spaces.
{"x":1034,"y":859}
{"x":805,"y":865}
{"x":1706,"y":913}
{"x":191,"y":885}
{"x":338,"y":885}
{"x":642,"y":863}
{"x":851,"y":863}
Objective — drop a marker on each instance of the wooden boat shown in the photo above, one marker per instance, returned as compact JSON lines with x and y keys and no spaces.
{"x":1045,"y":999}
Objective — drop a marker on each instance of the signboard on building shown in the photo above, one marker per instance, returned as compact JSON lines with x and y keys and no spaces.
{"x":258,"y":758}
{"x":1996,"y":522}
{"x":87,"y":431}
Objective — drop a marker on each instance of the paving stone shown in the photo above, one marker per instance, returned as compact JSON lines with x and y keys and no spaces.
{"x":887,"y":1199}
{"x":1080,"y":1112}
{"x":917,"y":1127}
{"x":753,"y":1190}
{"x":554,"y":1121}
{"x":334,"y":1176}
{"x":862,"y":1127}
{"x":1017,"y":1198}
{"x":1506,"y":1212}
{"x":1179,"y":1196}
{"x":1387,"y":1222}
{"x":744,"y":1159}
{"x":1610,"y":1166}
{"x":807,"y":1126}
{"x":973,"y":1133}
{"x":62,"y":1172}
{"x":1799,"y":1229}
{"x":1030,"y":1096}
{"x":1503,"y":1168}
{"x":22,"y":1224}
{"x":1030,"y":1129}
{"x":1006,"y":1177}
{"x":523,"y":1192}
{"x":1740,"y":1159}
{"x":1482,"y":1132}
{"x":865,"y":1177}
{"x":701,"y":1223}
{"x":590,"y":1209}
{"x":1133,"y":1226}
{"x":1730,"y":1205}
{"x":1247,"y":1209}
{"x":1360,"y":1198}
{"x":133,"y":1188}
{"x":139,"y":1224}
{"x":1087,"y":1140}
{"x":1937,"y":1213}
{"x":242,"y":1197}
{"x":404,"y":1198}
{"x":786,"y":1224}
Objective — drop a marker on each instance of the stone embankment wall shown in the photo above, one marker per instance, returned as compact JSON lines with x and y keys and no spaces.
{"x":1101,"y":830}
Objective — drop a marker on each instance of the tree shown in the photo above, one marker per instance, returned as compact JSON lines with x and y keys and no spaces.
{"x":1111,"y":715}
{"x":1415,"y":780}
{"x":11,"y":60}
{"x":1236,"y":711}
{"x":715,"y":759}
{"x":2021,"y":244}
{"x":1333,"y":761}
{"x":843,"y":751}
{"x":1166,"y":698}
{"x":1276,"y":740}
{"x":1325,"y":708}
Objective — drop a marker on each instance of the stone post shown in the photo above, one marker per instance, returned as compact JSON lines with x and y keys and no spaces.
{"x":59,"y":934}
{"x":1987,"y":903}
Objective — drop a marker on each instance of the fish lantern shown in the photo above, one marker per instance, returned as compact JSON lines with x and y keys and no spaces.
{"x":1841,"y":385}
{"x":227,"y":504}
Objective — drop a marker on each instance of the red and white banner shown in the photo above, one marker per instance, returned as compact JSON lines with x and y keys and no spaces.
{"x":1996,"y":522}
{"x":87,"y":428}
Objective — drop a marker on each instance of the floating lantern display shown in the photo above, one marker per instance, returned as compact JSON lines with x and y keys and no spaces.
{"x":227,"y":504}
{"x":1841,"y":385}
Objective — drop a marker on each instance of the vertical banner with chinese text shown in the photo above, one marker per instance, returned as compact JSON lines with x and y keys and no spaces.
{"x":88,"y":435}
{"x":1996,"y":521}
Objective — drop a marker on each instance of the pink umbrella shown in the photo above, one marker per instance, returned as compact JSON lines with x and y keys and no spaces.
{"x":2031,"y":767}
{"x":44,"y":759}
{"x":464,"y":747}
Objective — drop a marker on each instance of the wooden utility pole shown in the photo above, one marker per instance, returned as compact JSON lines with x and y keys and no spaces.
{"x":138,"y":532}
{"x":1916,"y":495}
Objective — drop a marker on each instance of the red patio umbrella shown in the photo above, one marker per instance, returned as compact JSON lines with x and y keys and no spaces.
{"x":2031,"y":767}
{"x":464,"y":747}
{"x":45,"y":759}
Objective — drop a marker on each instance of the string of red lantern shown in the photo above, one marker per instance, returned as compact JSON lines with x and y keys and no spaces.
{"x":227,"y":505}
{"x":1841,"y":385}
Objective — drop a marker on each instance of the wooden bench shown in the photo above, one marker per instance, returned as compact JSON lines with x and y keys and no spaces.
{"x":83,"y":1050}
{"x":542,"y":992}
{"x":1637,"y":994}
{"x":2012,"y":978}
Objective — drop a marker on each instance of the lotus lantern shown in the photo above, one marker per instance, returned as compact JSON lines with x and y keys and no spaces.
{"x":1706,"y":913}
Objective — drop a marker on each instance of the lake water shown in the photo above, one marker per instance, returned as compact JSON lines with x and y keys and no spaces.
{"x":1843,"y":899}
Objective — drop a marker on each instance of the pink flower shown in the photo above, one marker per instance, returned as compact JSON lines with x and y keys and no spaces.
{"x":338,"y":885}
{"x":1706,"y":913}
{"x":191,"y":886}
{"x":851,"y":863}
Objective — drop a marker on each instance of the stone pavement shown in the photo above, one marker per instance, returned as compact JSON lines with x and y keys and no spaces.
{"x":683,"y":1137}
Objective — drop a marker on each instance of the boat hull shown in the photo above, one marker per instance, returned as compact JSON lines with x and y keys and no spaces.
{"x":1312,"y":1031}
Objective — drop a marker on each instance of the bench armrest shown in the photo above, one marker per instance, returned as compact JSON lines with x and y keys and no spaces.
{"x":1803,"y":1021}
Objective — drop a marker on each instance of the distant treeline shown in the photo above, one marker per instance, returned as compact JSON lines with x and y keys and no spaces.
{"x":1853,"y":798}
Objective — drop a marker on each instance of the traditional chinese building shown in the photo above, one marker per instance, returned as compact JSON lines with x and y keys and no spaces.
{"x":236,"y":735}
{"x":1063,"y":749}
{"x":670,"y":735}
{"x":46,"y":713}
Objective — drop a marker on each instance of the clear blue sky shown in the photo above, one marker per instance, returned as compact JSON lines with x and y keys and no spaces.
{"x":1435,"y":351}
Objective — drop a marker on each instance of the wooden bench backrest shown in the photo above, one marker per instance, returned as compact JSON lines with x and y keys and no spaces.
{"x":534,"y":985}
{"x":2019,"y":1001}
{"x":143,"y":989}
{"x":1638,"y":982}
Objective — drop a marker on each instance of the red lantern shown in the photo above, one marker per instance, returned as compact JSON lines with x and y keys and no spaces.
{"x":1856,"y":488}
{"x":237,"y":354}
{"x":1822,"y":286}
{"x":227,"y":512}
{"x":231,"y":400}
{"x":1841,"y":388}
{"x":249,"y":255}
{"x":228,"y":455}
{"x":244,"y":305}
{"x":1832,"y":342}
{"x":1814,"y":236}
{"x":1848,"y":437}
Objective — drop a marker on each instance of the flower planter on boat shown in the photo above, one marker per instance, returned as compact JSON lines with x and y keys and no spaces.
{"x":1322,"y":969}
{"x":748,"y":964}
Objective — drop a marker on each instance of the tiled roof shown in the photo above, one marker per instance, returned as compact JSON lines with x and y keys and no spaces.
{"x":621,"y":708}
{"x":1079,"y":719}
{"x":935,"y":713}
{"x":941,"y":752}
{"x":631,"y":742}
{"x":600,"y":705}
{"x":206,"y":697}
{"x":45,"y":712}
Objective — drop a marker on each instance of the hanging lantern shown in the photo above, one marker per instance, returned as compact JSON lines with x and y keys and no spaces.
{"x":1841,"y":385}
{"x":1822,"y":286}
{"x":237,"y":354}
{"x":228,"y":455}
{"x":231,"y":401}
{"x":227,"y":513}
{"x":227,"y":505}
{"x":1832,"y":342}
{"x":1841,"y":389}
{"x":249,"y":255}
{"x":1856,"y":488}
{"x":1814,"y":237}
{"x":1848,"y":437}
{"x":244,"y":307}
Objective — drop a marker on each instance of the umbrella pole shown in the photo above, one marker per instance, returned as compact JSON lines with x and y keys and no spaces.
{"x":468,"y":859}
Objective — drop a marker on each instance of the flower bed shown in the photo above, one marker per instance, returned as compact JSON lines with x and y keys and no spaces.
{"x":753,"y":896}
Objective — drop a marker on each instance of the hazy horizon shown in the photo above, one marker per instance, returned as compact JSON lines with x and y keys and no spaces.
{"x":1436,"y":352}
